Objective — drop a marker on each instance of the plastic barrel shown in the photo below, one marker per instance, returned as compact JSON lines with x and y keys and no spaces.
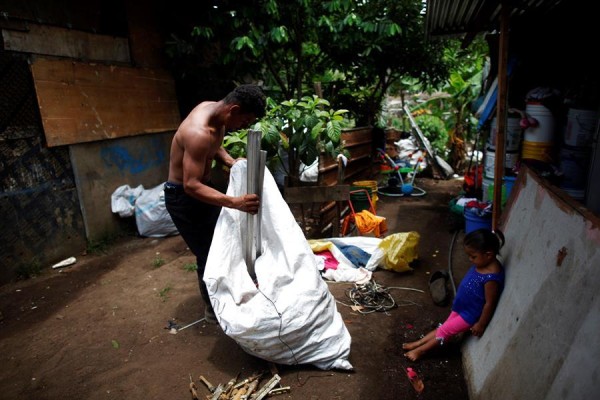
{"x":512,"y":137}
{"x":574,"y":164}
{"x":509,"y":182}
{"x":487,"y":188}
{"x":543,"y":132}
{"x":490,"y":194}
{"x":538,"y":151}
{"x":581,"y":126}
{"x":473,"y":221}
{"x":510,"y":161}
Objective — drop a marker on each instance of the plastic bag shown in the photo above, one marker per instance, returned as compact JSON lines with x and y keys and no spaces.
{"x":122,"y":201}
{"x":151,"y":215}
{"x":290,"y":317}
{"x":400,"y":250}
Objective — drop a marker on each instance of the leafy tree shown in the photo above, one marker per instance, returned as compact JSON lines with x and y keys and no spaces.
{"x":349,"y":51}
{"x":376,"y":43}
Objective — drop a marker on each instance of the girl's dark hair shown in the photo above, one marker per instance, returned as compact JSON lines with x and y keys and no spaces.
{"x":250,"y":98}
{"x":485,"y":240}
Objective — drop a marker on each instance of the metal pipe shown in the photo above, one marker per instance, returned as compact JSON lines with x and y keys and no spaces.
{"x":253,"y":161}
{"x":261,"y":178}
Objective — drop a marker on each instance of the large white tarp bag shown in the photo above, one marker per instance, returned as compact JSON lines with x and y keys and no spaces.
{"x":291,"y":318}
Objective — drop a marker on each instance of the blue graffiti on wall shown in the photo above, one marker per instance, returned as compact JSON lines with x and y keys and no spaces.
{"x":136,"y":161}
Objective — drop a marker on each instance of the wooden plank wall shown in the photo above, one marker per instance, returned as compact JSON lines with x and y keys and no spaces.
{"x":360,"y":166}
{"x":82,"y":102}
{"x":359,"y":143}
{"x":55,"y":41}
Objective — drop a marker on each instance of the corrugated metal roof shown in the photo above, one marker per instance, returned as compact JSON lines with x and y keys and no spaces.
{"x":457,"y":17}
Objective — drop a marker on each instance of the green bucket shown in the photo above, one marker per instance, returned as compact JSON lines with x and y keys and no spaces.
{"x":360,"y":200}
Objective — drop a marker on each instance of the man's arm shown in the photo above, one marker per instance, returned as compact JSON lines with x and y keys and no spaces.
{"x":223,"y":156}
{"x":195,"y":158}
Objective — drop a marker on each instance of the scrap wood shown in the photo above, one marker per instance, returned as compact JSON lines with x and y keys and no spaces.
{"x":243,"y":390}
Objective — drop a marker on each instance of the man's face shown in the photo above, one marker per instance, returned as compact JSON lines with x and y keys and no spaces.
{"x":239,"y":120}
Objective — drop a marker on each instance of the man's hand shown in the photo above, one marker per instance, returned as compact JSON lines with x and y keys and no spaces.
{"x":248,"y":203}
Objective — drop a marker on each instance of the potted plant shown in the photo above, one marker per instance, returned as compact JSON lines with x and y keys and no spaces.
{"x":294,"y":133}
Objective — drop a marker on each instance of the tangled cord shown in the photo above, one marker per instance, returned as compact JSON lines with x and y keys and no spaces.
{"x":371,"y":297}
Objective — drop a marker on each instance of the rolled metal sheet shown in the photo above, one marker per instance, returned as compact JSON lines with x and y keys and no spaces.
{"x":253,"y":176}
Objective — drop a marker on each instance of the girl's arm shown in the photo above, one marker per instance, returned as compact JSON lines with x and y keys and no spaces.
{"x":492,"y":293}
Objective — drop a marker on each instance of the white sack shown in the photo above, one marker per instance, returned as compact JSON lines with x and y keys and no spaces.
{"x":122,"y":201}
{"x":151,"y":215}
{"x":293,"y":318}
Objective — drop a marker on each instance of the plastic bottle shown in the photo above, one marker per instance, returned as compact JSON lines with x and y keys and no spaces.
{"x":415,"y":380}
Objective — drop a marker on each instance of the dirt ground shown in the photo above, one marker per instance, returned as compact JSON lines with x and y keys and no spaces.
{"x":98,"y":329}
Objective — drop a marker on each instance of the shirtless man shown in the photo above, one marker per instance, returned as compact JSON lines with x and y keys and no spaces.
{"x":193,"y":203}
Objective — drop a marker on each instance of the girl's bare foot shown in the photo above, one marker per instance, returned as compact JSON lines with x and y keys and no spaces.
{"x":411,"y":345}
{"x":413,"y":355}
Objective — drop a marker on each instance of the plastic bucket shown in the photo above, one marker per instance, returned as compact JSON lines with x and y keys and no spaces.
{"x":512,"y":137}
{"x":537,"y":151}
{"x":510,"y":161}
{"x":581,"y":126}
{"x":490,"y":193}
{"x":487,"y":189}
{"x":360,"y":200}
{"x":473,"y":221}
{"x":509,"y":182}
{"x":574,"y":163}
{"x":372,"y":186}
{"x":544,"y":131}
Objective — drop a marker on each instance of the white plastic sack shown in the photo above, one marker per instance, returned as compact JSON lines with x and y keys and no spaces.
{"x":122,"y":201}
{"x":151,"y":215}
{"x":291,"y":318}
{"x":309,"y":173}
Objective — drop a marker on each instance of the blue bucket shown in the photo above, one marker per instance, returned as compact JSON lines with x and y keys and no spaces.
{"x":474,"y":221}
{"x":509,"y":181}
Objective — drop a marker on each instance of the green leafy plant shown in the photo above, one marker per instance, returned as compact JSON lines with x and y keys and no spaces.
{"x":294,"y":132}
{"x":164,"y":293}
{"x":190,"y":267}
{"x":303,"y":129}
{"x":434,"y":129}
{"x":347,"y":51}
{"x":158,"y":261}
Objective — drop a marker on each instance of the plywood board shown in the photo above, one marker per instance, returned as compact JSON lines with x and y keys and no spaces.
{"x":82,"y":102}
{"x":55,"y":41}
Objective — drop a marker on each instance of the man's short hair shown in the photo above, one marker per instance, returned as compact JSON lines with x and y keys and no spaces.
{"x":250,"y":98}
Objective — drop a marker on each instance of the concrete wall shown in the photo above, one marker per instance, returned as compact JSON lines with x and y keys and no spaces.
{"x":101,"y":167}
{"x":543,"y":342}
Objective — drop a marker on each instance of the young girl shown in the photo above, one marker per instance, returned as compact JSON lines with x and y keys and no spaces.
{"x":477,"y":294}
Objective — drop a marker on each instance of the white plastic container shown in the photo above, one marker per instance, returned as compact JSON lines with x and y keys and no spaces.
{"x":574,"y":163}
{"x":546,"y":124}
{"x":510,"y":161}
{"x":581,"y":127}
{"x":513,"y":134}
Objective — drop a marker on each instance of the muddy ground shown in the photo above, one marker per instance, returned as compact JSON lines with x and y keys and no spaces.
{"x":98,"y":329}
